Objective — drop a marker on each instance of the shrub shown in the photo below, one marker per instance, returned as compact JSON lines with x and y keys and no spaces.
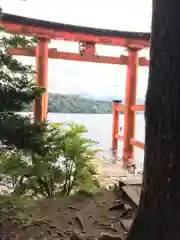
{"x":63,"y":169}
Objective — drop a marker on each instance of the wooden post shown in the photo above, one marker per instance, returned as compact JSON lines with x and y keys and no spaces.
{"x":41,"y":104}
{"x":130,"y":100}
{"x":115,"y":125}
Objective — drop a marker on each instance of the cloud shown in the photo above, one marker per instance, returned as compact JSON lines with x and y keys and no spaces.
{"x":74,"y":77}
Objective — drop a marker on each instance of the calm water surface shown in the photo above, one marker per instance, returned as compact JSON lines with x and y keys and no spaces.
{"x":100,"y":129}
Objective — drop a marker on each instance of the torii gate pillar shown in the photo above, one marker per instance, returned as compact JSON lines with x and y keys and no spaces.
{"x":41,"y":104}
{"x":130,"y":100}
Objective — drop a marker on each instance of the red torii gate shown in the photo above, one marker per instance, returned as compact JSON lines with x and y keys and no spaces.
{"x":87,"y":38}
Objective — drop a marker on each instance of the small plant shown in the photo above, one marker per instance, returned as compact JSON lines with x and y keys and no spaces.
{"x":13,"y":205}
{"x":77,"y":162}
{"x":14,"y":213}
{"x":66,"y":166}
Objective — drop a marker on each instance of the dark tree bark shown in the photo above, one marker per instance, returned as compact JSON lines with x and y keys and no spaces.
{"x":158,"y":216}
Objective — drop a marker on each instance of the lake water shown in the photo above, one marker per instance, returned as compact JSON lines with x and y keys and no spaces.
{"x":100,"y":129}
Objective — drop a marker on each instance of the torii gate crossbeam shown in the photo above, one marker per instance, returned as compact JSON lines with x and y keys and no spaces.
{"x":88,"y":37}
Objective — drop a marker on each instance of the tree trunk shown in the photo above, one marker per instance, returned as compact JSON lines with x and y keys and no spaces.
{"x":158,"y":215}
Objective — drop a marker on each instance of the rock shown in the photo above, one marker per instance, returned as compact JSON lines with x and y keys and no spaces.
{"x":106,"y":236}
{"x":77,"y":236}
{"x":117,"y":206}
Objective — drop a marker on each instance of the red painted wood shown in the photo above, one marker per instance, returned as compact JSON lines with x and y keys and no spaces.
{"x":41,"y":104}
{"x":130,"y":100}
{"x":54,"y":54}
{"x":89,"y":55}
{"x":69,"y":36}
{"x":115,"y":125}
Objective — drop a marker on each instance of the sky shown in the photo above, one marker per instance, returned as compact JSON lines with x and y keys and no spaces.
{"x":71,"y":77}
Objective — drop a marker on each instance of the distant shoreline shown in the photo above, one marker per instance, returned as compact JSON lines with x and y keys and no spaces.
{"x":73,"y":113}
{"x":76,"y":104}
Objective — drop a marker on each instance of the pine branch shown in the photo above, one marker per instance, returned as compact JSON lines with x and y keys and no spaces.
{"x":17,"y":89}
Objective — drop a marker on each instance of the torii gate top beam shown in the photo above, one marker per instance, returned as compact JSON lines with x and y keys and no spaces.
{"x":51,"y":30}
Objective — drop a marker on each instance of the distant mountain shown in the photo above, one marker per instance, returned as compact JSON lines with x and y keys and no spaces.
{"x":69,"y":103}
{"x":95,"y":97}
{"x":106,"y":98}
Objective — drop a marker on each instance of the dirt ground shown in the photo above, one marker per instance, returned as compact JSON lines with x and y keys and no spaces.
{"x":90,"y":216}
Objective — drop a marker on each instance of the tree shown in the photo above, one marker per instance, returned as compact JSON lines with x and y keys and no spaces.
{"x":16,"y":90}
{"x":158,"y":215}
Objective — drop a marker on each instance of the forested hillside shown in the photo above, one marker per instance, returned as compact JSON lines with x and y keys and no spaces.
{"x":61,"y":103}
{"x":77,"y":104}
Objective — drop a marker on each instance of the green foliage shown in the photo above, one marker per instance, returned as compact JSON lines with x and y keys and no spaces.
{"x":69,"y":103}
{"x":75,"y":104}
{"x":17,"y":90}
{"x":63,"y":169}
{"x":36,"y":159}
{"x":13,"y":205}
{"x":15,"y":211}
